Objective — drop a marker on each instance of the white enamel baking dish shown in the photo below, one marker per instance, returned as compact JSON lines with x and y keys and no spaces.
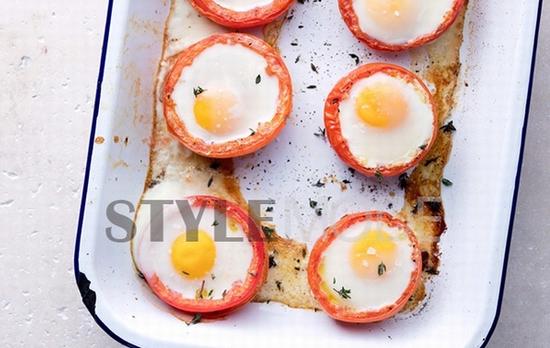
{"x":463,"y":305}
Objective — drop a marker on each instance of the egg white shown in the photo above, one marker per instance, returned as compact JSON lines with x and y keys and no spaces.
{"x":429,"y":15}
{"x":367,"y":294}
{"x":153,"y":257}
{"x":242,"y":5}
{"x":374,"y":147}
{"x":233,"y":68}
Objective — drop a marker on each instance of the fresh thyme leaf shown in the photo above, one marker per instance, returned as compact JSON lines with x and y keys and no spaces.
{"x":224,"y":293}
{"x":210,"y":292}
{"x":269,"y":209}
{"x":355,"y":57}
{"x":319,"y":183}
{"x":215,"y":223}
{"x":422,"y":147}
{"x":312,"y":203}
{"x":446,"y":182}
{"x":333,"y":280}
{"x":378,"y":175}
{"x":297,"y":59}
{"x":278,"y":283}
{"x":311,"y":87}
{"x":320,"y":133}
{"x":403,"y":181}
{"x":343,"y":292}
{"x":200,"y":292}
{"x":268,"y":231}
{"x":252,"y":131}
{"x":448,"y":128}
{"x":258,"y":79}
{"x":319,"y":211}
{"x":346,"y":181}
{"x":314,"y":68}
{"x":186,"y":273}
{"x":213,"y":276}
{"x":198,"y":90}
{"x":196,"y":318}
{"x":381,"y":268}
{"x":210,"y":181}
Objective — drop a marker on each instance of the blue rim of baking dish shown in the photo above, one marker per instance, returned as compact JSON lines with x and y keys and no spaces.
{"x":89,"y":297}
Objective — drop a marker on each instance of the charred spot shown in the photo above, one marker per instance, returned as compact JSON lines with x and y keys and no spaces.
{"x":272,"y":262}
{"x":434,"y":206}
{"x":425,"y":260}
{"x":403,"y":181}
{"x":215,"y":165}
{"x":156,"y":180}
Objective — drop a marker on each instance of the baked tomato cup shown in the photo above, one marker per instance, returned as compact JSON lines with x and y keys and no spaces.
{"x":381,"y":119}
{"x":365,"y":267}
{"x":212,"y":269}
{"x":227,"y":95}
{"x":396,"y":25}
{"x":242,"y":13}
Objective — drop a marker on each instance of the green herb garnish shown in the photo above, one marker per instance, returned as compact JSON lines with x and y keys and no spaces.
{"x":258,"y":79}
{"x":319,"y":183}
{"x":312,"y":203}
{"x":314,"y":68}
{"x":381,"y":268}
{"x":448,"y":128}
{"x":343,"y":292}
{"x":196,"y":318}
{"x":198,"y":90}
{"x":355,"y":57}
{"x":446,"y":182}
{"x":268,"y":231}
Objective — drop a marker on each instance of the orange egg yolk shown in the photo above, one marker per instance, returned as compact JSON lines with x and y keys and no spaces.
{"x":373,"y":254}
{"x":213,"y":111}
{"x":381,"y":106}
{"x":393,"y":14}
{"x":193,"y":258}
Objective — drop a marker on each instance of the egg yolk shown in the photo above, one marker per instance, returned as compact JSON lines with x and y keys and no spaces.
{"x":213,"y":111}
{"x":393,"y":14}
{"x":381,"y":106}
{"x":373,"y":254}
{"x":193,"y":258}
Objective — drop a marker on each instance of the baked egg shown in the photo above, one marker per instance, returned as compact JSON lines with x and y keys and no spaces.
{"x":380,"y":119}
{"x":227,"y":95}
{"x":365,"y":267}
{"x":212,"y":267}
{"x":395,"y":25}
